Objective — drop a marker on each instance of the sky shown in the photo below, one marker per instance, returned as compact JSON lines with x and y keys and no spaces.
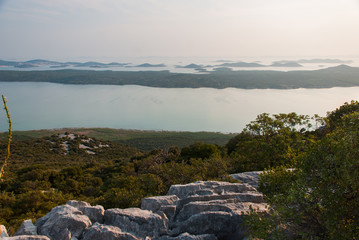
{"x":109,"y":29}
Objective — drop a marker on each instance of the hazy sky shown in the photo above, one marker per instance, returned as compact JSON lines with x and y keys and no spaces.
{"x":66,"y":29}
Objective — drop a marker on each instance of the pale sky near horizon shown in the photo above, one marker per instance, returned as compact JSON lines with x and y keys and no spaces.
{"x":70,"y":29}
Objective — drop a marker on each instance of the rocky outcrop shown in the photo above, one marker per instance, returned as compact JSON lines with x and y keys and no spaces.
{"x":63,"y":222}
{"x":27,"y":228}
{"x":139,"y":222}
{"x":211,"y":207}
{"x":204,"y":210}
{"x":250,"y":178}
{"x":100,"y":232}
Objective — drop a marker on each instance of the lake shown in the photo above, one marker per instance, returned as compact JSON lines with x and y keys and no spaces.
{"x":48,"y":106}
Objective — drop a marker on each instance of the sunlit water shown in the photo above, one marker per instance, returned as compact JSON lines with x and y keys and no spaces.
{"x":48,"y":105}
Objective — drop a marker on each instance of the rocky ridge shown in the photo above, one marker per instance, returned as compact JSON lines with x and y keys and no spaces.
{"x":203,"y":210}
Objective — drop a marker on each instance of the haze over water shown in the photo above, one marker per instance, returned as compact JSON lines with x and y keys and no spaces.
{"x":47,"y":106}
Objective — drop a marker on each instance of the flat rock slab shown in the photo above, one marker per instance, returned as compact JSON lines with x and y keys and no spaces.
{"x":155,"y":203}
{"x":208,"y":188}
{"x":27,"y":237}
{"x":105,"y":232}
{"x":138,"y":222}
{"x":250,"y":178}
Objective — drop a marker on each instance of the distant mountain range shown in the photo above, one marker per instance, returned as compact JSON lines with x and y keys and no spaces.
{"x":53,"y":64}
{"x":41,"y":62}
{"x":223,"y":64}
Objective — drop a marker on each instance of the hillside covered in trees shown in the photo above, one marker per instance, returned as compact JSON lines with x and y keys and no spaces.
{"x":339,"y":76}
{"x":47,"y":171}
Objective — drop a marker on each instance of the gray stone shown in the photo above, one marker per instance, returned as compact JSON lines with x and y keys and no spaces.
{"x":250,"y":178}
{"x":27,"y":237}
{"x":138,"y":222}
{"x":168,"y":210}
{"x":155,"y":203}
{"x":77,"y":204}
{"x":95,"y":213}
{"x":3,"y":231}
{"x":102,"y":232}
{"x":223,"y":225}
{"x":55,"y":223}
{"x":208,"y":188}
{"x":27,"y":228}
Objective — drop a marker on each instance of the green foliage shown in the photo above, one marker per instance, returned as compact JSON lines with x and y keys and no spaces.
{"x":334,"y":118}
{"x":270,"y":141}
{"x":200,"y":150}
{"x":320,"y":199}
{"x":142,"y":140}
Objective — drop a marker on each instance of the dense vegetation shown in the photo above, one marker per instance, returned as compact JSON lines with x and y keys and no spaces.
{"x":143,"y":140}
{"x":319,"y":198}
{"x":340,"y":76}
{"x":322,"y":153}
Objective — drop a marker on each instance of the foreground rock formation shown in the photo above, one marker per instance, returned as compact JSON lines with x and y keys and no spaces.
{"x":204,"y":210}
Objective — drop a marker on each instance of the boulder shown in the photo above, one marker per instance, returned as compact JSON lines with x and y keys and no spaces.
{"x":138,"y":222}
{"x":26,"y":228}
{"x":101,"y":232}
{"x":63,"y":220}
{"x":95,"y":213}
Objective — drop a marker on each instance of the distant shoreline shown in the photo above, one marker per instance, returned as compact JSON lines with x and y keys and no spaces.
{"x":339,"y":76}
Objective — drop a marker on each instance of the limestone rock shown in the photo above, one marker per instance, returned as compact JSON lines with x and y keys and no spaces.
{"x":95,"y":213}
{"x":223,"y":225}
{"x":27,"y":237}
{"x":154,"y":203}
{"x":213,"y":207}
{"x":101,"y":232}
{"x":138,"y":222}
{"x":204,"y":210}
{"x":250,"y":178}
{"x":77,"y":204}
{"x":27,"y":228}
{"x":61,"y":218}
{"x":208,"y":188}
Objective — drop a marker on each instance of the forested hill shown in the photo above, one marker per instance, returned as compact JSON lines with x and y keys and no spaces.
{"x":340,"y":76}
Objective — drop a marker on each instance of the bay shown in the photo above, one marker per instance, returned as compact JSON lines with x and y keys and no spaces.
{"x":47,"y":106}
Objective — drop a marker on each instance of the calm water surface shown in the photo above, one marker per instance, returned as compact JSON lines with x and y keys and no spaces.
{"x":48,"y":105}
